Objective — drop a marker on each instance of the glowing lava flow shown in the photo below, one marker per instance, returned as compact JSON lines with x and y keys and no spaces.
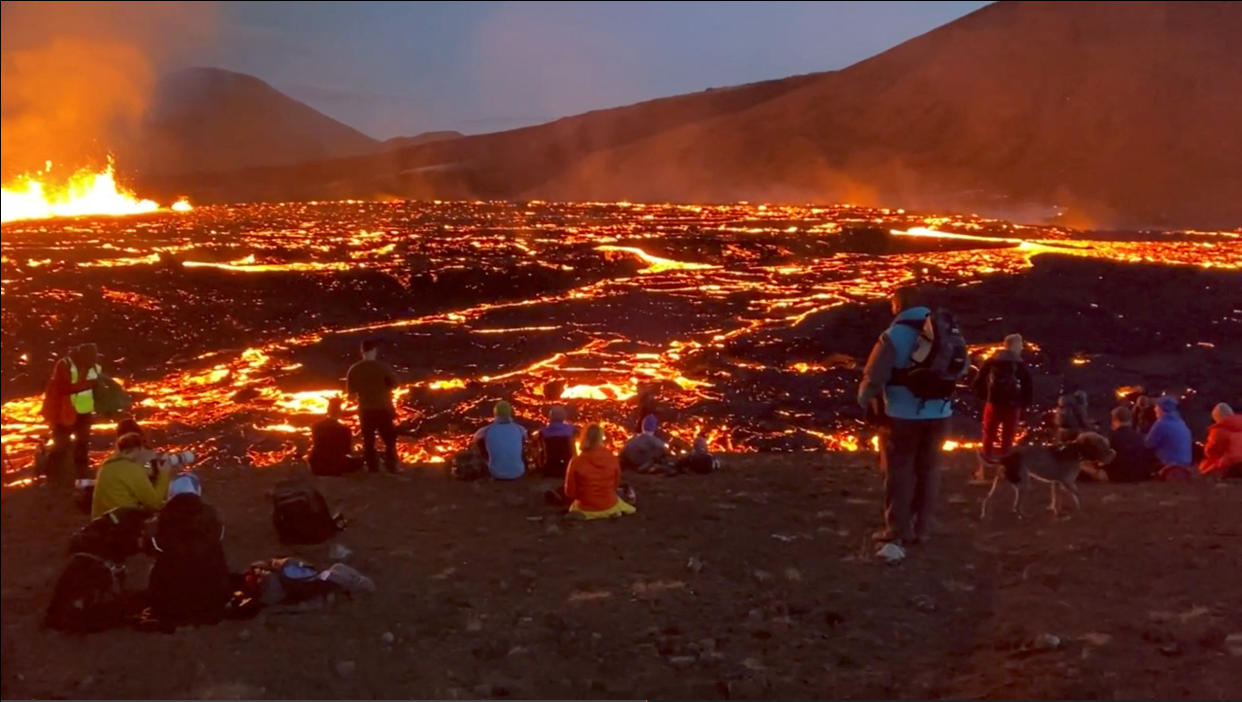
{"x":86,"y":192}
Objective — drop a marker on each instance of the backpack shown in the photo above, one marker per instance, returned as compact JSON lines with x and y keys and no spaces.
{"x":88,"y":596}
{"x":939,"y":357}
{"x":1004,"y":387}
{"x":301,"y":514}
{"x":468,"y":465}
{"x":190,"y":579}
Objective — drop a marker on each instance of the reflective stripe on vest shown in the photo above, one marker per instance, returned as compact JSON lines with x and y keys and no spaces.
{"x":84,"y":400}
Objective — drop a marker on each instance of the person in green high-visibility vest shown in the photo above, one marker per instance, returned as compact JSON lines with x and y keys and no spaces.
{"x":69,"y":407}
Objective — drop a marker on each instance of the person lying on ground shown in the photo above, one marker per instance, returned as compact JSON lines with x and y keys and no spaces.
{"x":123,"y":480}
{"x":1222,"y":455}
{"x":332,"y":444}
{"x":501,"y":442}
{"x":1171,"y":441}
{"x":644,"y":450}
{"x":558,"y":443}
{"x":190,"y":582}
{"x":699,"y":460}
{"x":1071,"y":417}
{"x":593,"y":479}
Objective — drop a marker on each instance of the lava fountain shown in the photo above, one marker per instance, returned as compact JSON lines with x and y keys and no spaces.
{"x":85,"y":192}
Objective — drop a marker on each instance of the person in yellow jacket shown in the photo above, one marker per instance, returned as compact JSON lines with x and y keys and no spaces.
{"x":123,"y":480}
{"x":69,"y":408}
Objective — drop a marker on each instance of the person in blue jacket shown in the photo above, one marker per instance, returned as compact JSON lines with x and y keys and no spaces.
{"x":502,"y":441}
{"x":1170,"y":439}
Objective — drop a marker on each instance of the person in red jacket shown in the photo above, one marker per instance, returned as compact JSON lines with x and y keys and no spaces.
{"x":593,"y":478}
{"x":1222,"y":455}
{"x":69,"y":407}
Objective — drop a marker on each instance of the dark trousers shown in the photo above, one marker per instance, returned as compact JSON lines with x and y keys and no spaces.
{"x":80,"y":435}
{"x":1000,"y":424}
{"x":910,"y":457}
{"x":378,"y":421}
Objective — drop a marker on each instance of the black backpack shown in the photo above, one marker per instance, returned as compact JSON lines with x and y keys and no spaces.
{"x":301,"y":514}
{"x":938,"y":360}
{"x":190,"y":579}
{"x":1004,"y":387}
{"x":89,"y":594}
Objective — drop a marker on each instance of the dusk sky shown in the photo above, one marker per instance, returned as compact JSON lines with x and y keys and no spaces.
{"x":401,"y":68}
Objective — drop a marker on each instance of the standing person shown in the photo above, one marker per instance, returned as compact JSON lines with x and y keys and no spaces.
{"x":1171,"y":440}
{"x":69,"y":407}
{"x":331,"y":443}
{"x":1004,"y":384}
{"x":502,"y":442}
{"x":372,"y":382}
{"x":899,"y":388}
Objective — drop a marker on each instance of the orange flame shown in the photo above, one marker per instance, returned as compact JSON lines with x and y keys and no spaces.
{"x":86,"y":192}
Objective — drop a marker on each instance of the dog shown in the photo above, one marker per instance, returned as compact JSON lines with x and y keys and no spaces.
{"x":1056,"y":465}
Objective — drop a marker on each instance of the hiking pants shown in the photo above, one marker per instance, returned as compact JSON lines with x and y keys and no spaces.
{"x":80,"y":435}
{"x":1000,"y":424}
{"x":378,"y":421}
{"x":910,"y":457}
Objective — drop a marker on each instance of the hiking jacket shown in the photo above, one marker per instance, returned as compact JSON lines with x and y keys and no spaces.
{"x":1224,"y":445}
{"x":892,"y":353}
{"x":1170,"y":439}
{"x":122,"y":482}
{"x":592,"y":479}
{"x":503,"y":440}
{"x":1001,"y":363}
{"x":58,"y":409}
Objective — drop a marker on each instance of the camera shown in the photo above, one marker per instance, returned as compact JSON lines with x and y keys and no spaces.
{"x":176,"y":459}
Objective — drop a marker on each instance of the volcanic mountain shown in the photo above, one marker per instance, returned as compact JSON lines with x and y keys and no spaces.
{"x":1126,"y":113}
{"x":210,"y":119}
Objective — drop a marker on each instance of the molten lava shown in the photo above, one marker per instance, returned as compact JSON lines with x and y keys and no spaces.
{"x":85,"y":192}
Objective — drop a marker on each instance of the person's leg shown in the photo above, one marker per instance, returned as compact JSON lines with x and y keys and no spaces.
{"x":60,"y":456}
{"x":929,"y":438}
{"x":369,"y":430}
{"x":82,"y":446}
{"x":388,"y":432}
{"x":1010,"y":417}
{"x":991,"y":422}
{"x":897,"y":446}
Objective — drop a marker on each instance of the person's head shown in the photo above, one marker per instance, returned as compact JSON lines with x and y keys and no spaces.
{"x":185,"y":484}
{"x":700,"y":444}
{"x":1144,"y":401}
{"x":1121,"y":417}
{"x":334,"y":407}
{"x":1167,"y":404}
{"x":557,"y":414}
{"x":1220,"y":411}
{"x":129,"y":425}
{"x":129,"y":444}
{"x":370,"y":349}
{"x":1013,"y":344}
{"x":650,"y":424}
{"x":593,"y":437}
{"x":503,"y":411}
{"x":84,"y":354}
{"x":903,"y":299}
{"x":1080,"y":398}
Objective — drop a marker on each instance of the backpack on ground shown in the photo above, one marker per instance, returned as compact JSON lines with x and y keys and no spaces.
{"x":1004,"y":386}
{"x":938,"y":360}
{"x":301,"y":515}
{"x":89,"y":594}
{"x":468,"y":465}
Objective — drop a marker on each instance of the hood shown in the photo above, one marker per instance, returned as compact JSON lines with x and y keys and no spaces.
{"x":914,"y":314}
{"x":650,"y":424}
{"x":1231,"y":423}
{"x":1167,"y":405}
{"x":186,"y":504}
{"x":1007,"y":355}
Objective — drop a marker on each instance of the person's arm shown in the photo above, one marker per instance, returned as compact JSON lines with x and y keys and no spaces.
{"x":148,"y":495}
{"x":1216,"y":446}
{"x":350,"y":389}
{"x":878,"y":372}
{"x":980,"y":386}
{"x":1155,"y":436}
{"x":390,"y":377}
{"x":1028,"y":384}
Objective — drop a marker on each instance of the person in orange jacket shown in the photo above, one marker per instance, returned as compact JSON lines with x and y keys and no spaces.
{"x":593,"y":478}
{"x":1222,"y":455}
{"x":69,"y":408}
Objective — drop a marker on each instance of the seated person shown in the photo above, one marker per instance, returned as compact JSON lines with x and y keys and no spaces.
{"x":501,"y":441}
{"x":189,"y":581}
{"x":331,"y":442}
{"x":1170,"y":439}
{"x":1222,"y":455}
{"x":645,"y":450}
{"x":699,"y":460}
{"x":593,"y":478}
{"x":558,"y":443}
{"x":1144,"y":410}
{"x":123,"y":480}
{"x":1133,"y":461}
{"x":1071,"y":416}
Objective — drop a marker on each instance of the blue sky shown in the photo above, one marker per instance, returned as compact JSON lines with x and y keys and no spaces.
{"x":402,"y":68}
